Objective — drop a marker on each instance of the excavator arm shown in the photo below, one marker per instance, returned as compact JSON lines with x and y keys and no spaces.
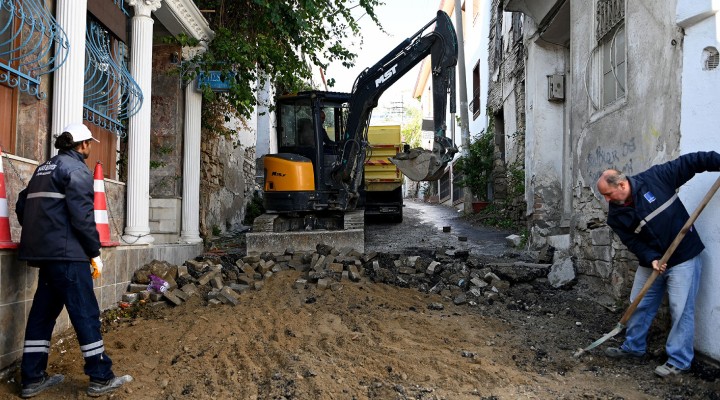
{"x":417,"y":164}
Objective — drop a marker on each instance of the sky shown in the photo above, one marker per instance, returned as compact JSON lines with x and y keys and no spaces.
{"x":401,"y":19}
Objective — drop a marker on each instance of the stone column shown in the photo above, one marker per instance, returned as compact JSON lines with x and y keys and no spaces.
{"x":137,"y":230}
{"x":68,"y":82}
{"x":191,"y":167}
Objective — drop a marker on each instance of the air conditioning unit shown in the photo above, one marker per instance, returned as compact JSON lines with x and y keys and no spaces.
{"x":556,"y":87}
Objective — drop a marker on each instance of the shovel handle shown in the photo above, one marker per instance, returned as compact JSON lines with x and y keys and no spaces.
{"x":668,"y":253}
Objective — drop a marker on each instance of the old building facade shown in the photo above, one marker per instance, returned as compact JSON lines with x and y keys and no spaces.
{"x":107,"y":63}
{"x":615,"y":84}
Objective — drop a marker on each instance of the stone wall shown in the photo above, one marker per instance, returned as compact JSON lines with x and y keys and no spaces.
{"x":227,"y":179}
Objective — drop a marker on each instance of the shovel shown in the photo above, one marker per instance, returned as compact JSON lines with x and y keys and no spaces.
{"x":631,"y":309}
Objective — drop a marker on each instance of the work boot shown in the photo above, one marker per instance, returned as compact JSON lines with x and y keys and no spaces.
{"x":616,"y":352}
{"x":34,"y":389}
{"x":668,"y":369}
{"x":96,"y":389}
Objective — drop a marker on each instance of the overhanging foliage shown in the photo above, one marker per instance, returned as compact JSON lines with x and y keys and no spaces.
{"x":277,"y":40}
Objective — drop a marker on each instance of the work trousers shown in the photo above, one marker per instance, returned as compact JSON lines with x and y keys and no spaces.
{"x":681,"y":282}
{"x":64,"y":284}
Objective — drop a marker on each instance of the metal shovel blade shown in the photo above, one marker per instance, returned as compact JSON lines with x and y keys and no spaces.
{"x":423,"y":166}
{"x":618,"y":329}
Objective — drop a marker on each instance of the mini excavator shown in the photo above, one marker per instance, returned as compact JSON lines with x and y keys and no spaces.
{"x":315,"y":180}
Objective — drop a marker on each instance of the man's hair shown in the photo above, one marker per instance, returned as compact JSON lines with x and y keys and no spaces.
{"x":65,"y":141}
{"x":613,"y":177}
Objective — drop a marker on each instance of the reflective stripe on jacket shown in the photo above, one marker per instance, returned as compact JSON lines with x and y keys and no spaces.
{"x":56,"y":212}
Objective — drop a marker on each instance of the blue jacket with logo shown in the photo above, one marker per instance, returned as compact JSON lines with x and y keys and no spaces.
{"x":57,"y":213}
{"x":651,"y":189}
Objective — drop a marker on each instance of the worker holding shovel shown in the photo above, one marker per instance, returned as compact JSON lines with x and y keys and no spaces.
{"x":647,"y":215}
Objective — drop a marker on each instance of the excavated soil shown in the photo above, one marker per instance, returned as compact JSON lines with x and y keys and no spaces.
{"x":376,"y":341}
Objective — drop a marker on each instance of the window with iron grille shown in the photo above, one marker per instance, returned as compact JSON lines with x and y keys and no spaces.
{"x":445,"y":186}
{"x":610,"y":34}
{"x":32,"y":44}
{"x":711,"y":58}
{"x":457,"y":189}
{"x":111,"y":95}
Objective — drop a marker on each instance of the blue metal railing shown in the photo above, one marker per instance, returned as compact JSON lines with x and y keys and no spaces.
{"x":32,"y":44}
{"x":111,"y":94}
{"x":121,"y":5}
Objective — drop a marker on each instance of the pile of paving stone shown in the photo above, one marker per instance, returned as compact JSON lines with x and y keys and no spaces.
{"x":222,"y":278}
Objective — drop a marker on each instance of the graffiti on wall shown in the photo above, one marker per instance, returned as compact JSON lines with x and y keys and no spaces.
{"x":618,"y":157}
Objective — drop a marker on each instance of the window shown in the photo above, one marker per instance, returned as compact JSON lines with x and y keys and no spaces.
{"x":711,"y":58}
{"x":445,"y":186}
{"x":31,"y":45}
{"x":8,"y":93}
{"x":475,"y":103}
{"x":610,"y":32}
{"x":111,"y":96}
{"x":295,"y":125}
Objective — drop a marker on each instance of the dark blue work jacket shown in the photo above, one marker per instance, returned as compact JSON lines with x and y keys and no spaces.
{"x":56,"y":211}
{"x":650,"y":190}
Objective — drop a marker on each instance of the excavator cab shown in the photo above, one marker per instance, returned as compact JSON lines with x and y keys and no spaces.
{"x":309,"y":136}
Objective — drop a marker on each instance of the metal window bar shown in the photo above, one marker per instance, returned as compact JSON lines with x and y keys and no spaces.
{"x":111,"y":94}
{"x":474,"y":105}
{"x":609,"y":13}
{"x":445,"y":186}
{"x":121,"y":5}
{"x":457,"y":188}
{"x":32,"y":45}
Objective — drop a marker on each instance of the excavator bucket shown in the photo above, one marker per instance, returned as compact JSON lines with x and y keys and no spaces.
{"x":419,"y":165}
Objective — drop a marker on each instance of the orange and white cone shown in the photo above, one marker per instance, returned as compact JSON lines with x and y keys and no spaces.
{"x":101,"y":214}
{"x":5,"y":238}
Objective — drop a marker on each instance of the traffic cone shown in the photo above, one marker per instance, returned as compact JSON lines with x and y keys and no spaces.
{"x":5,"y":238}
{"x":101,"y":214}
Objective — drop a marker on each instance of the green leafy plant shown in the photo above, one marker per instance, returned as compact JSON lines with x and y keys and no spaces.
{"x":476,"y":167}
{"x":284,"y":41}
{"x":253,"y":209}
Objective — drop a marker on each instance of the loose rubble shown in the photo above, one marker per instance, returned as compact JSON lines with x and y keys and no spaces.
{"x":221,"y":279}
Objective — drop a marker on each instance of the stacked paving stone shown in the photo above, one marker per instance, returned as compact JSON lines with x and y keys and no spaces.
{"x":453,"y":274}
{"x":222,"y":278}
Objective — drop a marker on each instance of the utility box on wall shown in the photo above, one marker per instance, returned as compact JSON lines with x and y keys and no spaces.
{"x":556,"y":87}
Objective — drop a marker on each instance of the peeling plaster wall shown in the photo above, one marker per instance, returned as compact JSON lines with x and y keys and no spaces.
{"x":699,"y":126}
{"x":544,"y":159}
{"x":631,"y":134}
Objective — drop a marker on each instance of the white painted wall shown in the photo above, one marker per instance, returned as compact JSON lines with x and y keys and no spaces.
{"x":699,"y":129}
{"x":476,"y":48}
{"x":544,"y":120}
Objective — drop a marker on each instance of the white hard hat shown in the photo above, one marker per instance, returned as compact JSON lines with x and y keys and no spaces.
{"x":79,"y":132}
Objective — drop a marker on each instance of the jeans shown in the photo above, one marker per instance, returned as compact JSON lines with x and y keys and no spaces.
{"x":682,"y":282}
{"x":67,"y":284}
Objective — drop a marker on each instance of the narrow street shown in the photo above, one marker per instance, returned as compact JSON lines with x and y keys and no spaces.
{"x":422,"y":227}
{"x":406,"y":329}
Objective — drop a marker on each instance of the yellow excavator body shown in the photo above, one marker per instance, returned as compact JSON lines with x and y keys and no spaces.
{"x":288,"y":173}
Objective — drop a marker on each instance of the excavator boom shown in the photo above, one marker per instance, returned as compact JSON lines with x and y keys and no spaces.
{"x":417,"y":164}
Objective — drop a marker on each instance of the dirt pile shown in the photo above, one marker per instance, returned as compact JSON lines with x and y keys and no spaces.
{"x":396,"y":333}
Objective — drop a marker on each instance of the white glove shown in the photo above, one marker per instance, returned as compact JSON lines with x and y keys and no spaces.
{"x":97,"y":265}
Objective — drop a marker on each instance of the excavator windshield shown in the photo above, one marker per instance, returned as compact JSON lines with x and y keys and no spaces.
{"x":295,"y":125}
